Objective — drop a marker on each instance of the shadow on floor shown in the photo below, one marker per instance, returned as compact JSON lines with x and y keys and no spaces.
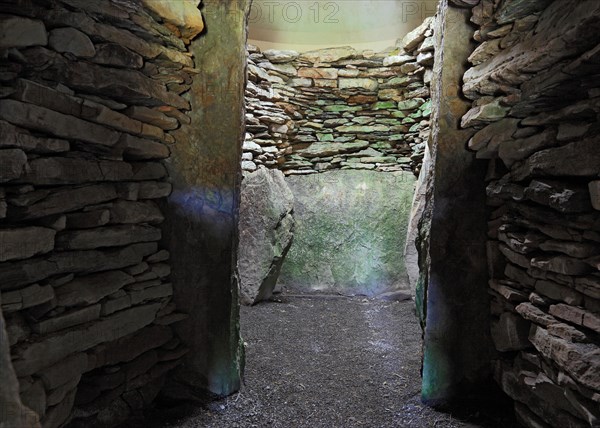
{"x":316,"y":361}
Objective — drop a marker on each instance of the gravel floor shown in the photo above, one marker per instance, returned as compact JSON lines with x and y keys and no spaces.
{"x":317,"y":361}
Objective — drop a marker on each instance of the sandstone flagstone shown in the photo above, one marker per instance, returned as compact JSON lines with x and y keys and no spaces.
{"x":25,"y":242}
{"x":72,"y":41}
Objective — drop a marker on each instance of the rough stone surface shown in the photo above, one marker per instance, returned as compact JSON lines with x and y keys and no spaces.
{"x":72,"y":41}
{"x":90,"y":94}
{"x":19,"y":32}
{"x":14,"y":413}
{"x":266,"y":232}
{"x":350,"y":232}
{"x":202,"y":211}
{"x":26,"y":242}
{"x":452,"y":232}
{"x":184,"y":15}
{"x":533,"y":58}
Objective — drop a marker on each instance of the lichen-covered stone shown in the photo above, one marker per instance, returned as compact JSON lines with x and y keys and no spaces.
{"x":349,"y":235}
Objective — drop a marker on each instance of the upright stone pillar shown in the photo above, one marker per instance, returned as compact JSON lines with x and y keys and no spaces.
{"x":202,"y":213}
{"x":457,"y":346}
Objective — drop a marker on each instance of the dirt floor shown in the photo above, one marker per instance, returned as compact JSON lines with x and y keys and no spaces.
{"x":319,"y":361}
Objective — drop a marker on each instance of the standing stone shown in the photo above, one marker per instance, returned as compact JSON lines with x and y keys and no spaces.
{"x":457,"y":344}
{"x":266,"y":232}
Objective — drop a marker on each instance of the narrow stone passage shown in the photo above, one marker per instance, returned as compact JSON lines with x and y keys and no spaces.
{"x":319,"y":361}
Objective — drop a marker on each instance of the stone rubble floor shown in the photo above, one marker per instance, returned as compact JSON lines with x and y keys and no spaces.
{"x":327,"y":361}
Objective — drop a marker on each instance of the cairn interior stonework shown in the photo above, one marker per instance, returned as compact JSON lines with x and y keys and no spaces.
{"x":156,"y":171}
{"x":335,"y":109}
{"x":534,"y":84}
{"x":91,"y":97}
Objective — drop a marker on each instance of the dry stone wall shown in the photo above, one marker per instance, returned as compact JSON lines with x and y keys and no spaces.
{"x":535,"y":88}
{"x":339,"y":108}
{"x":89,"y":94}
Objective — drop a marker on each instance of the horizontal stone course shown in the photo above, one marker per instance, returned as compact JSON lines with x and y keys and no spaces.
{"x":535,"y":126}
{"x":92,"y":91}
{"x":337,"y":96}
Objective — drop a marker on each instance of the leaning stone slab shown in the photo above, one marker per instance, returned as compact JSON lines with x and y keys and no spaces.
{"x":266,"y":232}
{"x":561,"y":264}
{"x":509,"y":333}
{"x":513,"y":150}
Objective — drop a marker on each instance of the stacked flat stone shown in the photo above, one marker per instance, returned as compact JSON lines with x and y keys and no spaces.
{"x":268,"y":126}
{"x":353,"y":110}
{"x":535,"y":109}
{"x":89,"y":95}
